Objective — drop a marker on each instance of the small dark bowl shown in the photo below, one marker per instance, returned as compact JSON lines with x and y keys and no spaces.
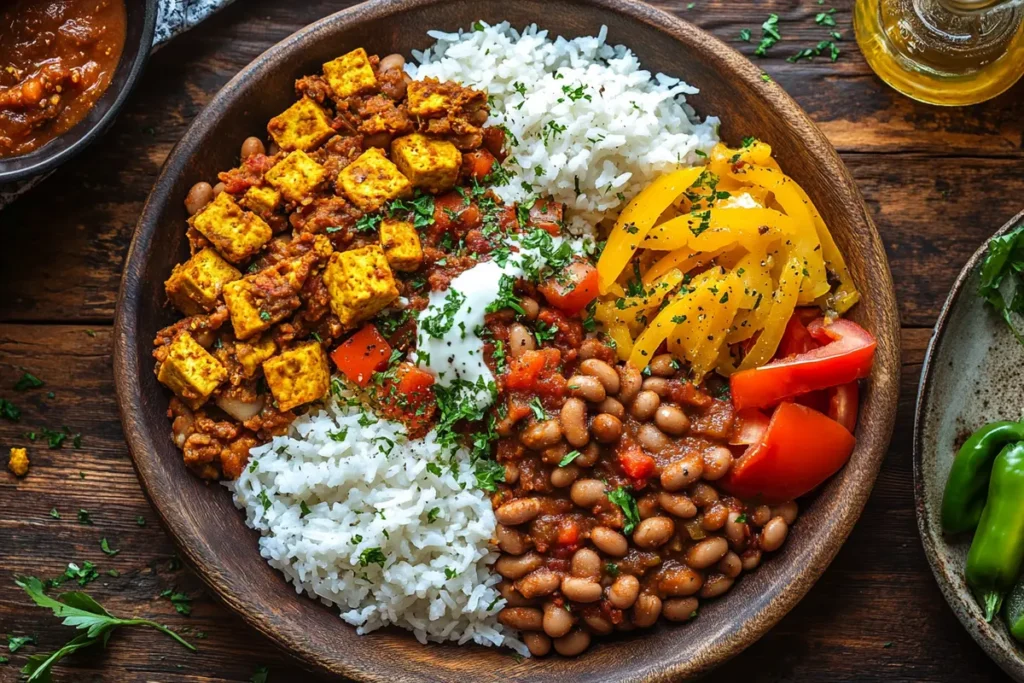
{"x":138,"y":41}
{"x":212,"y":534}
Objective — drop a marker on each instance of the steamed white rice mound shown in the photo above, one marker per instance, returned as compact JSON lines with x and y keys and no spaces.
{"x":337,"y":495}
{"x":592,"y":127}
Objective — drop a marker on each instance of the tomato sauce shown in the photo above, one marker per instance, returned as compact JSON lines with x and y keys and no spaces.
{"x":57,"y":58}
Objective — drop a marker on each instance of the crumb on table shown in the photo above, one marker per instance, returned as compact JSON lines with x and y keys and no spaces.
{"x":18,"y":462}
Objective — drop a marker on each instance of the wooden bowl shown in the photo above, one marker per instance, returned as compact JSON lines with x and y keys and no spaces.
{"x":211,"y":533}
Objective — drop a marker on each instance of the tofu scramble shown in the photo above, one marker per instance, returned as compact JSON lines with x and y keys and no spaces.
{"x":370,"y":328}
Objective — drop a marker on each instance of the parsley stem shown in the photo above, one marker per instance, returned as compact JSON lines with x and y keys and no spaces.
{"x":158,"y":627}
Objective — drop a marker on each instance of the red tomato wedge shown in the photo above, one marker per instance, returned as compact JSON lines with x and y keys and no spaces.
{"x":843,"y":404}
{"x":796,"y":339}
{"x":571,"y":290}
{"x":362,"y":354}
{"x":799,"y":450}
{"x":748,"y":427}
{"x":847,"y":356}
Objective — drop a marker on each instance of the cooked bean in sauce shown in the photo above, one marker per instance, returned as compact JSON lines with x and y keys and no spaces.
{"x":57,"y":58}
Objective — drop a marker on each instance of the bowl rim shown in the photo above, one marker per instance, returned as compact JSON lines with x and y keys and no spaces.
{"x":982,"y":632}
{"x":721,"y":57}
{"x":48,"y":161}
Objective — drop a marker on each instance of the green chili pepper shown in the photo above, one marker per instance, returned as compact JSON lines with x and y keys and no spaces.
{"x":1014,"y":611}
{"x":997,"y":550}
{"x":967,"y":485}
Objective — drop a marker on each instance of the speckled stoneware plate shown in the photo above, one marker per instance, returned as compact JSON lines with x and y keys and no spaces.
{"x":973,"y":374}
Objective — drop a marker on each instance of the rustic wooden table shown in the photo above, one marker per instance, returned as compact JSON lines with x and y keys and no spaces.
{"x":937,"y":182}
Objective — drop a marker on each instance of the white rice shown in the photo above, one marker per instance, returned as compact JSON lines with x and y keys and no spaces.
{"x":366,"y":488}
{"x":622,"y":130}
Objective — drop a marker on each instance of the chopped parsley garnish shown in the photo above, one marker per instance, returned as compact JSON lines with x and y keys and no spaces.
{"x":182,"y":603}
{"x":450,"y":572}
{"x":568,"y":458}
{"x":15,"y":643}
{"x":544,"y":332}
{"x":745,"y":35}
{"x":54,"y":513}
{"x":264,"y":499}
{"x":769,"y":34}
{"x":368,"y":223}
{"x":488,"y":473}
{"x":624,"y":499}
{"x":506,"y":296}
{"x":105,"y":547}
{"x":339,"y":435}
{"x":440,"y":323}
{"x":83,"y":517}
{"x":577,"y":93}
{"x":538,"y":409}
{"x":825,"y":18}
{"x":434,"y":469}
{"x":611,"y":569}
{"x":28,"y":381}
{"x":551,"y":130}
{"x":372,"y":556}
{"x":432,"y":514}
{"x":303,"y":509}
{"x":499,"y":175}
{"x":9,"y":411}
{"x":420,"y":209}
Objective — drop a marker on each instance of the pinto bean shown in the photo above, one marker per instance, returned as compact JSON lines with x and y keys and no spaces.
{"x":716,"y":584}
{"x":715,"y":517}
{"x":672,"y":420}
{"x":522,"y":618}
{"x":392,"y":61}
{"x":538,"y":643}
{"x":680,"y":609}
{"x":518,"y":511}
{"x":516,"y":567}
{"x":773,"y":535}
{"x":573,"y":420}
{"x":572,"y":643}
{"x":563,"y":477}
{"x":218,"y":188}
{"x":679,"y":581}
{"x":652,"y":439}
{"x":588,"y":455}
{"x":703,"y":495}
{"x":717,"y":462}
{"x":520,"y":340}
{"x":511,"y":473}
{"x":663,"y":365}
{"x":707,"y":552}
{"x":586,"y":493}
{"x":539,"y":582}
{"x":735,"y":530}
{"x":606,"y":428}
{"x":598,"y":624}
{"x":250,"y":147}
{"x":646,"y":610}
{"x":681,"y":473}
{"x":541,"y":434}
{"x":609,"y":541}
{"x":761,"y":515}
{"x":612,"y":407}
{"x":581,"y":590}
{"x":553,"y":455}
{"x":787,"y":511}
{"x":658,"y":385}
{"x":630,"y":381}
{"x":511,"y":541}
{"x":623,"y":593}
{"x":513,"y":598}
{"x":731,"y":565}
{"x":645,"y":405}
{"x":586,"y":387}
{"x":198,"y":196}
{"x":557,"y":620}
{"x":604,"y":373}
{"x":586,"y":564}
{"x":531,"y":309}
{"x":654,"y":532}
{"x":750,"y":560}
{"x":677,"y":504}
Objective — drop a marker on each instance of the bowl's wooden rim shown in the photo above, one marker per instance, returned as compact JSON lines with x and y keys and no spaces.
{"x":878,"y":409}
{"x":985,"y":634}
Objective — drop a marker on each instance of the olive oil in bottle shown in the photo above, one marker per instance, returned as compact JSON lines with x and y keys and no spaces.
{"x":946,"y":52}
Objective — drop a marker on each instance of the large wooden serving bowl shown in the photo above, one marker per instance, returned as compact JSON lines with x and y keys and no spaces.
{"x":211,"y":533}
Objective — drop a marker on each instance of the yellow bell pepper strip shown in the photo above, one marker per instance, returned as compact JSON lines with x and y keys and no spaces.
{"x":694,"y":324}
{"x":782,"y":306}
{"x":632,"y":311}
{"x":723,"y":159}
{"x":623,"y":341}
{"x":716,"y":326}
{"x":636,"y":221}
{"x":806,"y":238}
{"x":718,"y":228}
{"x":756,"y":280}
{"x":846,"y":294}
{"x":658,"y":331}
{"x":683,"y":260}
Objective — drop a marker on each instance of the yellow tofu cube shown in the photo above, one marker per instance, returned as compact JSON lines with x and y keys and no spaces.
{"x":401,"y":244}
{"x":360,"y":283}
{"x":190,"y":371}
{"x":298,"y":375}
{"x":18,"y":462}
{"x":251,"y":355}
{"x":246,"y":316}
{"x":296,"y":176}
{"x":236,"y":234}
{"x":427,"y":162}
{"x":304,"y":125}
{"x":426,"y":98}
{"x":350,"y":74}
{"x":263,"y":200}
{"x":371,"y":180}
{"x":195,"y":286}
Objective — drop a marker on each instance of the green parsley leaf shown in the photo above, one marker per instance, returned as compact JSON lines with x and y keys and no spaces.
{"x":538,"y":409}
{"x":745,"y":35}
{"x":28,"y":381}
{"x":83,"y":517}
{"x":825,"y":19}
{"x":140,"y":520}
{"x":432,"y":514}
{"x":15,"y":643}
{"x":9,"y":411}
{"x":568,"y":458}
{"x":54,"y":513}
{"x":611,"y":569}
{"x":372,"y":556}
{"x":441,"y":322}
{"x":182,"y":603}
{"x":488,"y":473}
{"x":303,"y":509}
{"x":624,"y":499}
{"x":105,"y":547}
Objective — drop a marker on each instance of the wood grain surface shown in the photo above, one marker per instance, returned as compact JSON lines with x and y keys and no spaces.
{"x":937,"y":183}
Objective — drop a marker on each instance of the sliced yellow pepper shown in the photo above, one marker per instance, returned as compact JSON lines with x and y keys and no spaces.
{"x":636,"y":221}
{"x":846,"y":294}
{"x":718,"y":322}
{"x":721,"y":228}
{"x":682,"y":259}
{"x":782,"y":306}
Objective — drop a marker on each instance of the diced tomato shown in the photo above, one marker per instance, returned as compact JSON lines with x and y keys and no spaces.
{"x":571,"y":290}
{"x":843,"y":405}
{"x":749,"y":427}
{"x":362,"y":354}
{"x":796,"y":339}
{"x":847,"y":355}
{"x":414,"y":382}
{"x":526,"y":371}
{"x":635,"y":463}
{"x":568,"y":533}
{"x":546,"y":215}
{"x":478,"y":163}
{"x":494,"y":141}
{"x":406,"y":397}
{"x":799,"y":450}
